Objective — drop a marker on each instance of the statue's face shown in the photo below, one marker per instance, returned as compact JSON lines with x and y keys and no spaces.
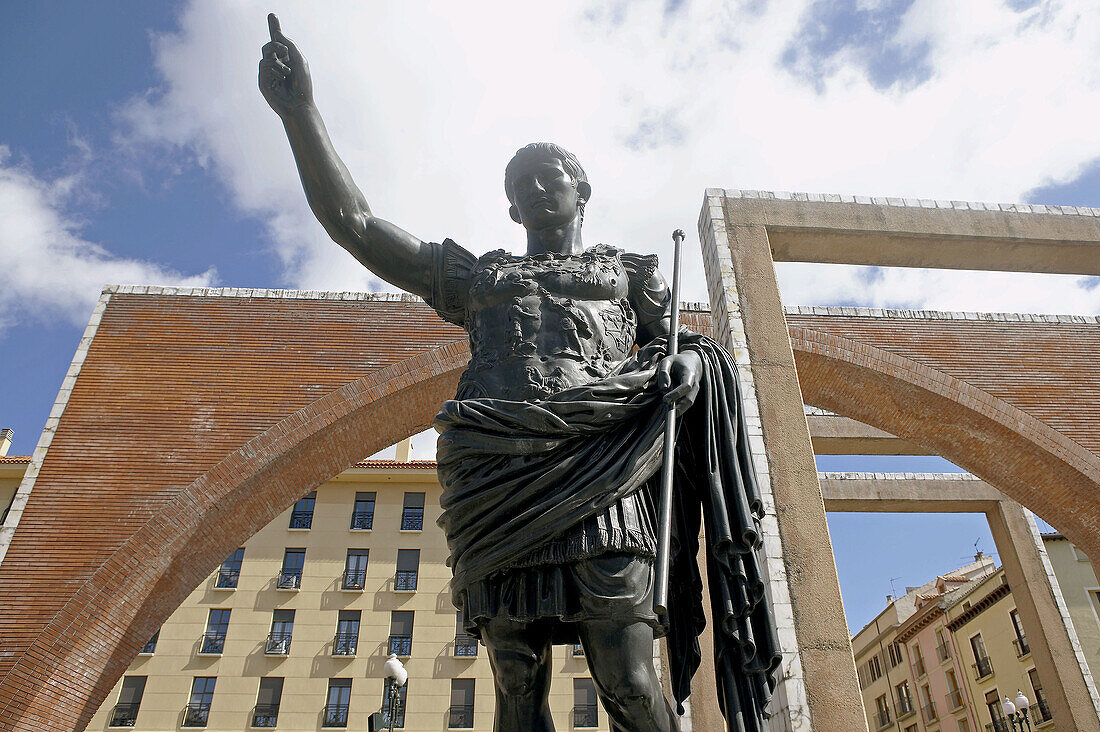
{"x":544,"y":196}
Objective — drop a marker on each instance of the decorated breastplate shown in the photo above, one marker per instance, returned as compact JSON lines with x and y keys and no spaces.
{"x":539,"y":324}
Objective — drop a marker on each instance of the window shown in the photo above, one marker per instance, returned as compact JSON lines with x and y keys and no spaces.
{"x":1080,"y":555}
{"x":585,"y":710}
{"x":401,"y":632}
{"x":230,"y":571}
{"x":282,"y":631}
{"x":197,"y":713}
{"x":911,"y":728}
{"x":963,"y":722}
{"x":894,"y":651}
{"x":302,"y":515}
{"x":1020,"y":642}
{"x":339,"y":701}
{"x":905,"y":699}
{"x":408,"y":566}
{"x":129,"y":700}
{"x":874,"y":668}
{"x":576,"y":650}
{"x":150,"y":646}
{"x":462,"y":704}
{"x":266,"y":713}
{"x":1040,"y":708}
{"x":362,"y":516}
{"x":882,"y":712}
{"x":943,"y":650}
{"x":928,"y":705}
{"x":347,"y":633}
{"x":412,"y":514}
{"x":954,"y":694}
{"x":983,"y":667}
{"x":290,"y":578}
{"x":918,"y":660}
{"x":398,"y":704}
{"x":996,"y":712}
{"x":355,"y":569}
{"x":465,"y":644}
{"x":217,"y":626}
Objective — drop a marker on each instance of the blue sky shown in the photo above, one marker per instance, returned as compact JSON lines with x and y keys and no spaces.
{"x":136,"y":149}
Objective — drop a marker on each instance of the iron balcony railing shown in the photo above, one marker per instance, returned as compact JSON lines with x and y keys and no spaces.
{"x":362,"y":520}
{"x":402,"y":645}
{"x":905,"y":706}
{"x":278,"y":644}
{"x":1041,"y":708}
{"x":954,"y":699}
{"x":929,"y":711}
{"x":301,"y":519}
{"x":212,"y":643}
{"x":265,"y":715}
{"x":983,"y":668}
{"x":465,"y":646}
{"x":997,"y":725}
{"x":882,"y":718}
{"x":576,"y":650}
{"x":227,"y":579}
{"x":196,"y":714}
{"x":398,"y":717}
{"x":1022,"y":647}
{"x":355,"y":579}
{"x":335,"y":715}
{"x":405,"y":580}
{"x":943,"y":652}
{"x":124,"y":715}
{"x":290,"y":579}
{"x":918,"y":667}
{"x":345,"y":644}
{"x":412,"y":519}
{"x":584,"y":715}
{"x":461,"y":716}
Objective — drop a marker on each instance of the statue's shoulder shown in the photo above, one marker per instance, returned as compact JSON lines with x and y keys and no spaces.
{"x":640,"y":267}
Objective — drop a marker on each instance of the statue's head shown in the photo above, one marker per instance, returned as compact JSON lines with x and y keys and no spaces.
{"x":546,"y":186}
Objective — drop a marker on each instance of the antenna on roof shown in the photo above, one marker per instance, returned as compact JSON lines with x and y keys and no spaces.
{"x":978,"y":553}
{"x":893,"y":592}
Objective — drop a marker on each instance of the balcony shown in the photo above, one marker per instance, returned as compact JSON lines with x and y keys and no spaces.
{"x":465,"y":646}
{"x":584,"y":715}
{"x":1041,"y":709}
{"x":398,"y":718}
{"x":882,"y":718}
{"x":1021,"y":646}
{"x":289,"y":579}
{"x":929,"y":711}
{"x":227,"y":579}
{"x":918,"y":667}
{"x":412,"y":519}
{"x":213,"y":643}
{"x":905,"y":707}
{"x":124,"y":715}
{"x":402,"y":645}
{"x":354,"y":579}
{"x":362,"y":520}
{"x":997,"y":725}
{"x":983,"y":668}
{"x":405,"y":580}
{"x":345,"y":644}
{"x":335,"y":715}
{"x":943,"y":652}
{"x":461,"y":717}
{"x":954,"y":699}
{"x":196,"y":714}
{"x":265,"y":715}
{"x":576,"y":650}
{"x":301,"y":519}
{"x":278,"y":644}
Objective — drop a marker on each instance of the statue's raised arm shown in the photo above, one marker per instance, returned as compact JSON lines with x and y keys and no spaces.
{"x":386,"y":250}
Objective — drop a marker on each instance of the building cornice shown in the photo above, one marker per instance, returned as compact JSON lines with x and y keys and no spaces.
{"x":979,"y":607}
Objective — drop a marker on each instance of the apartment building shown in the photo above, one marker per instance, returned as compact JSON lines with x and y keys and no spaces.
{"x":292,"y":631}
{"x":1081,"y":592}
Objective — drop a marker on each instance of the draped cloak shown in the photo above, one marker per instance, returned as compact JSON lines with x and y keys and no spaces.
{"x":516,"y":473}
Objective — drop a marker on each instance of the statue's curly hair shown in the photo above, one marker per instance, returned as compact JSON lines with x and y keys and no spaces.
{"x":569,"y":164}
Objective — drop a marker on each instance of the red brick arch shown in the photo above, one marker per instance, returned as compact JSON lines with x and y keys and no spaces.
{"x":1035,"y":464}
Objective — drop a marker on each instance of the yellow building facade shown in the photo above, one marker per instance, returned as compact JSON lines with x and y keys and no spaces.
{"x":292,"y":632}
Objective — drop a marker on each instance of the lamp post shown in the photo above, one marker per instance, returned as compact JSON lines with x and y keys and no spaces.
{"x":1016,"y":711}
{"x":397,"y":676}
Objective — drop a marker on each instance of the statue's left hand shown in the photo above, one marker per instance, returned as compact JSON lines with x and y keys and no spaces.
{"x":678,"y":377}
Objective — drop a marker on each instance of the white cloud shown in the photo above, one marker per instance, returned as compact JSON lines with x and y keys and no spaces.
{"x":426,"y":101}
{"x":48,"y":269}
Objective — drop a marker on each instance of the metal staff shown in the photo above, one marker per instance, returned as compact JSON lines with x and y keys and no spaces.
{"x":664,"y":514}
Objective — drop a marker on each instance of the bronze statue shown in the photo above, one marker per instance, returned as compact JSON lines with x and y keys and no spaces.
{"x":548,"y":452}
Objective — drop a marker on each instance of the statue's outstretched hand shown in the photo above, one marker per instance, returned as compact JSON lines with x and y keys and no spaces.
{"x":284,"y":73}
{"x":678,"y":377}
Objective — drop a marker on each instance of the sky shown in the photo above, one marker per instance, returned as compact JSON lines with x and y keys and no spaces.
{"x":135,"y":148}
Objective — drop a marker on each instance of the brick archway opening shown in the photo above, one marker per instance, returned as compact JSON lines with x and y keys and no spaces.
{"x":1027,"y":459}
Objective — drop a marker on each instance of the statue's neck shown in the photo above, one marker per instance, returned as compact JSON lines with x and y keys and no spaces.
{"x":563,"y":240}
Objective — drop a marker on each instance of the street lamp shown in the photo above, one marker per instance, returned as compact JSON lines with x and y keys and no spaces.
{"x":1017,"y":712}
{"x":397,"y":676}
